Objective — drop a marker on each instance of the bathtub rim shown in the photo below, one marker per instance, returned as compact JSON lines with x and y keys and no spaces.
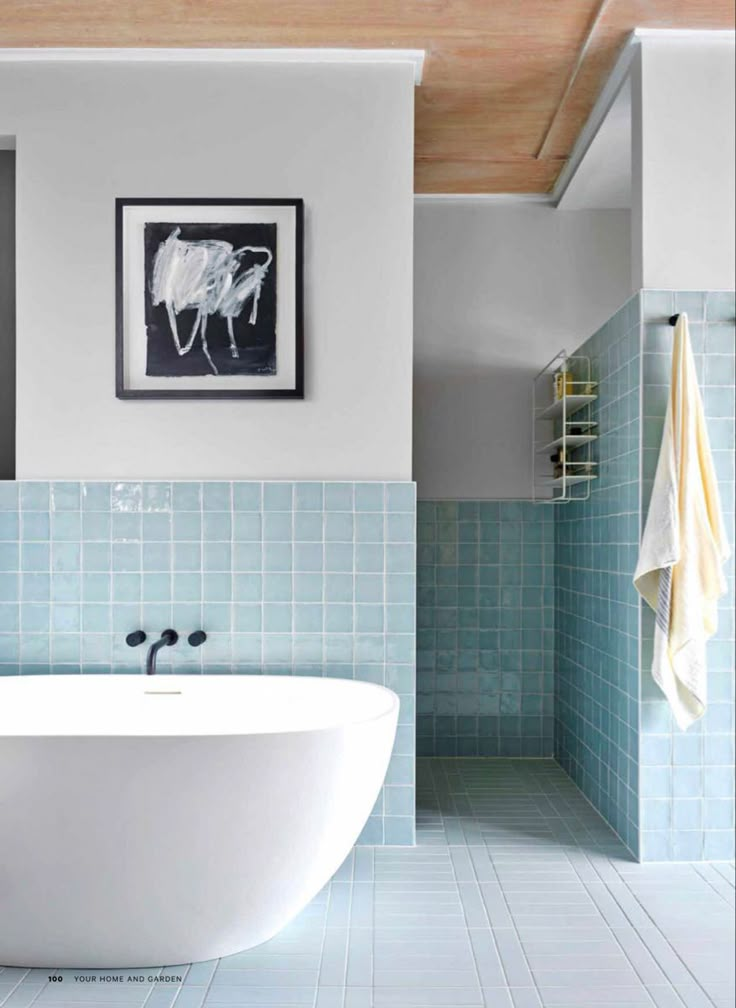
{"x":391,"y":710}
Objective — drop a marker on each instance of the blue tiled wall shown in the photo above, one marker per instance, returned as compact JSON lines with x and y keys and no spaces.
{"x":287,"y":578}
{"x":597,"y":612}
{"x":485,"y":630}
{"x":687,"y":778}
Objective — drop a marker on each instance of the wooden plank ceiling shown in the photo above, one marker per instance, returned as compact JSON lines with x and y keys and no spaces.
{"x":507,"y":84}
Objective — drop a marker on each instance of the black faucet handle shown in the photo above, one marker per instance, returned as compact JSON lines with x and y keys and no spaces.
{"x":197,"y":638}
{"x":135,"y":638}
{"x":169,"y":637}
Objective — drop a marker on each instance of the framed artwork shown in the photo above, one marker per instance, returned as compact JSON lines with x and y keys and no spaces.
{"x":209,"y":299}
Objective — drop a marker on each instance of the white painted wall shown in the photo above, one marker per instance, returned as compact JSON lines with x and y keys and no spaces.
{"x":498,"y":290}
{"x":340,"y":136}
{"x":683,"y":164}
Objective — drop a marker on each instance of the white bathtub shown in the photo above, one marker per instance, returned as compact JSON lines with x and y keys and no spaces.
{"x":159,"y":820}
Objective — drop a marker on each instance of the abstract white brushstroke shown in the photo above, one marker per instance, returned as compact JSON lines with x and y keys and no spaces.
{"x":206,"y":275}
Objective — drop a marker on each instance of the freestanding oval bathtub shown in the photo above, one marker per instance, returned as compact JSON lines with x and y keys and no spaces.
{"x":161,"y":820}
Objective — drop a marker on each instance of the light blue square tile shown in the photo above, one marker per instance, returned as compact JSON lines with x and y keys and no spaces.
{"x":35,"y":648}
{"x":338,"y":587}
{"x":96,"y":587}
{"x":126,"y":497}
{"x":307,"y":649}
{"x":369,"y":496}
{"x":35,"y":526}
{"x":400,"y":528}
{"x":277,"y":648}
{"x":187,"y":526}
{"x":216,"y":616}
{"x":277,"y":617}
{"x":66,"y":648}
{"x":186,"y":496}
{"x":217,"y":526}
{"x":217,"y":556}
{"x":35,"y":496}
{"x":687,"y":845}
{"x":338,"y":618}
{"x":67,"y":526}
{"x":277,"y":587}
{"x":721,"y":306}
{"x":308,"y":556}
{"x":156,"y":556}
{"x":369,"y":588}
{"x":400,"y":587}
{"x":247,"y":588}
{"x":369,"y":618}
{"x":65,"y":496}
{"x":247,"y":496}
{"x":66,"y":618}
{"x":400,"y":558}
{"x":126,"y":587}
{"x":718,"y":845}
{"x":9,"y":497}
{"x":156,"y":497}
{"x":308,"y":587}
{"x":369,"y":528}
{"x":308,"y":527}
{"x":126,"y":556}
{"x":308,"y":617}
{"x":247,"y":618}
{"x":278,"y":526}
{"x":338,"y":527}
{"x":126,"y":526}
{"x":247,"y":652}
{"x":400,"y":497}
{"x":156,"y":588}
{"x":9,"y":525}
{"x":369,"y":558}
{"x":278,"y":496}
{"x":35,"y":617}
{"x":66,"y":556}
{"x":217,"y":587}
{"x":308,"y":496}
{"x":277,"y":557}
{"x":96,"y":525}
{"x":96,"y":556}
{"x":247,"y":526}
{"x":339,"y":496}
{"x":250,"y":555}
{"x":187,"y":556}
{"x":400,"y":618}
{"x":216,"y":497}
{"x":95,"y":496}
{"x":156,"y":527}
{"x":186,"y":587}
{"x":9,"y":617}
{"x":369,"y":648}
{"x":36,"y":587}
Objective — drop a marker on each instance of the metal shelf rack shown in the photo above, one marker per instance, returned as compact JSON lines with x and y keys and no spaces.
{"x":563,"y":425}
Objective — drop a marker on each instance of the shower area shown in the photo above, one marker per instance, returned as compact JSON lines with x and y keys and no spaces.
{"x":533,"y":651}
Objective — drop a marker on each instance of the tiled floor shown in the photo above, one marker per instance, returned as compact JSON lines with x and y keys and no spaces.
{"x":517,"y":896}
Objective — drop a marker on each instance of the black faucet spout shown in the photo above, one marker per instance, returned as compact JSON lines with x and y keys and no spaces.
{"x":167,"y":638}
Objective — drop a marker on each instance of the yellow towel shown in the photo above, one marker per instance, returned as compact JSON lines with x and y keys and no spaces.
{"x":684,"y":544}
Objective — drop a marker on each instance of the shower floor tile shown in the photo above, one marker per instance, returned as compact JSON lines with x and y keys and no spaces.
{"x":517,"y":895}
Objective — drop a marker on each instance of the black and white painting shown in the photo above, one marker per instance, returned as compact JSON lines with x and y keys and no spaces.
{"x":209,"y":298}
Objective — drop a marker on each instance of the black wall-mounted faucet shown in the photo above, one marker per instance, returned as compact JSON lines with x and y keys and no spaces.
{"x":167,"y":638}
{"x":135,"y":638}
{"x":197,"y":638}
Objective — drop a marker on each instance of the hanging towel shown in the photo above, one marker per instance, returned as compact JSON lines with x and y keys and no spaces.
{"x":684,"y":544}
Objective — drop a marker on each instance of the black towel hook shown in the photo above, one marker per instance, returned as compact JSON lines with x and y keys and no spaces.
{"x":673,"y":319}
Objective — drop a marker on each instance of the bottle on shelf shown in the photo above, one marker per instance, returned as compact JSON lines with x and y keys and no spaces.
{"x":563,"y":383}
